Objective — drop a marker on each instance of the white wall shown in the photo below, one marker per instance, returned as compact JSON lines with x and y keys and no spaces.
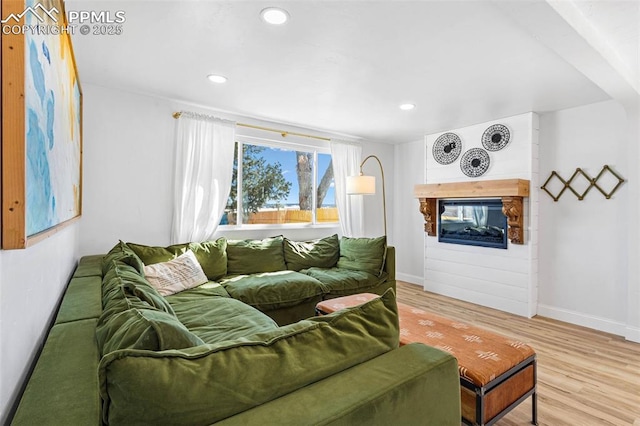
{"x":31,"y":284}
{"x":501,"y":279}
{"x":633,"y":247}
{"x":373,"y":211}
{"x":583,"y":244}
{"x":128,"y":172}
{"x":128,"y":169}
{"x":409,"y":223}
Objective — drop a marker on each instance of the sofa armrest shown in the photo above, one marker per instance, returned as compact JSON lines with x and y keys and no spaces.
{"x":63,"y":386}
{"x":414,"y":384}
{"x":63,"y":389}
{"x":390,"y":263}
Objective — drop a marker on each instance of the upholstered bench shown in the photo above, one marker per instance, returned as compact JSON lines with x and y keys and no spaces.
{"x":496,"y":373}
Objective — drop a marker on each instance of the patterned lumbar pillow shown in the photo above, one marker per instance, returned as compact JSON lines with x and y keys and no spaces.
{"x":182,"y":273}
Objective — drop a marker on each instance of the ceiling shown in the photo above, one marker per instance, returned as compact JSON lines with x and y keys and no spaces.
{"x":346,"y":66}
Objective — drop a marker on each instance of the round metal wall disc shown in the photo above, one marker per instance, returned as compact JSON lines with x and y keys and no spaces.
{"x":447,"y":148}
{"x":496,"y":137}
{"x":475,"y":162}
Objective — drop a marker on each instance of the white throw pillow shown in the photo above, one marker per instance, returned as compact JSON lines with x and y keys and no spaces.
{"x":182,"y":273}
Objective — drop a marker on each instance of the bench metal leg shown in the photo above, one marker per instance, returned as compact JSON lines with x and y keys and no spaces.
{"x":534,"y":395}
{"x":480,"y":406}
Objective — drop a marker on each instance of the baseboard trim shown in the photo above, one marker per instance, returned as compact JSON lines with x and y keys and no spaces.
{"x":413,"y":279}
{"x":632,"y":334}
{"x":584,"y":320}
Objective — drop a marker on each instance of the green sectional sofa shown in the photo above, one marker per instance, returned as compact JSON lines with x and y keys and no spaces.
{"x":241,"y":348}
{"x":285,"y":279}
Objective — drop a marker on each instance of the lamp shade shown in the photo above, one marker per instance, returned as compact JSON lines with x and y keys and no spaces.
{"x":365,"y":185}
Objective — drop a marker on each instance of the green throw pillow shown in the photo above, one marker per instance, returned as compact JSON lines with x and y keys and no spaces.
{"x":258,"y":368}
{"x":322,"y":253}
{"x":363,"y":254}
{"x":134,"y":285}
{"x":146,"y":293}
{"x":124,"y":254}
{"x":144,"y":329}
{"x":211,"y":255}
{"x":118,"y":296}
{"x":154,"y":254}
{"x":253,"y":256}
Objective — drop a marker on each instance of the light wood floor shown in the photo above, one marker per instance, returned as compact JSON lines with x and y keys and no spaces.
{"x":585,"y":377}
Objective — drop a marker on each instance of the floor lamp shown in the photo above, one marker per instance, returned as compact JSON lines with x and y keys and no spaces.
{"x":366,"y":185}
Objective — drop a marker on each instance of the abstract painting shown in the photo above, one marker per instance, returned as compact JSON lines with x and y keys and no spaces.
{"x":47,"y":152}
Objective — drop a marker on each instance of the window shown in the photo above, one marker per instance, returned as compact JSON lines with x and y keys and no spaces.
{"x":280,"y":184}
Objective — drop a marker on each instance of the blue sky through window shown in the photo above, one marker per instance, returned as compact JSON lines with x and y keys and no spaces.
{"x":287,"y":158}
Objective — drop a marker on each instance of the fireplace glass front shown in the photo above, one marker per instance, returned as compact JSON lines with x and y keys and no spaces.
{"x":473,"y":222}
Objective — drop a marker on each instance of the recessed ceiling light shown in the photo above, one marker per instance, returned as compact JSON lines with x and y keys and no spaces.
{"x":274,"y":15}
{"x":407,"y":107}
{"x":217,"y":78}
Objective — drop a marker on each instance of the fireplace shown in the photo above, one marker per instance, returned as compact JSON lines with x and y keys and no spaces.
{"x":511,"y":191}
{"x":472,"y":222}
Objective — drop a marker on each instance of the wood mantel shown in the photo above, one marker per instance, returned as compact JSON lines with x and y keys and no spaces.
{"x":511,"y":191}
{"x":475,"y":189}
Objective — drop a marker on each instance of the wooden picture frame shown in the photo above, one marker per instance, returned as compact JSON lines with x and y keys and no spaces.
{"x":41,"y":125}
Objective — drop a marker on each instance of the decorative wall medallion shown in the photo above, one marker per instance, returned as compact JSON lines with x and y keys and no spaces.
{"x":447,"y":148}
{"x":475,"y":162}
{"x":496,"y":137}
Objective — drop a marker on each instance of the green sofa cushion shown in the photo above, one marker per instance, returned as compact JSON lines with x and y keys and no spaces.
{"x":208,"y":290}
{"x":415,"y":384}
{"x":148,"y":294}
{"x":134,"y":286}
{"x":119,"y":300}
{"x":362,"y":254}
{"x":123,"y":253}
{"x":205,"y":384}
{"x":212,"y":255}
{"x":62,"y":388}
{"x":154,"y":254}
{"x":323,"y":253}
{"x":252,"y":256}
{"x":89,"y":266}
{"x":273,"y":290}
{"x":219,"y":319}
{"x":345,"y":281}
{"x":82,"y":300}
{"x":144,"y":329}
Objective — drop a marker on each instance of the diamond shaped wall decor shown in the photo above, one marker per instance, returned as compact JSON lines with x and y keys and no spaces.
{"x":593,"y":182}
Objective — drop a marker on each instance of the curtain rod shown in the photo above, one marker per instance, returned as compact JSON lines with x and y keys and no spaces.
{"x":284,"y":133}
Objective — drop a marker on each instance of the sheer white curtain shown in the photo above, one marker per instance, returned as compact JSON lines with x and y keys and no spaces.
{"x":346,"y":158}
{"x":202,"y":175}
